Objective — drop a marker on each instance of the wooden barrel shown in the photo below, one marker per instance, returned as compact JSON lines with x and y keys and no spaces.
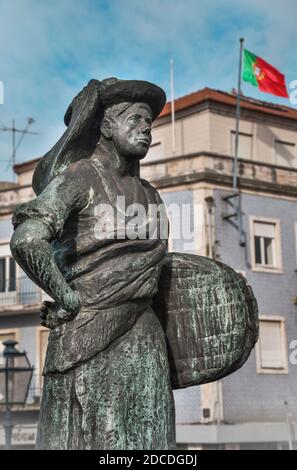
{"x":210,"y":318}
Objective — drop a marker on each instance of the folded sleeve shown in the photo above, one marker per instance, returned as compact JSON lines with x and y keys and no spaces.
{"x":63,"y":195}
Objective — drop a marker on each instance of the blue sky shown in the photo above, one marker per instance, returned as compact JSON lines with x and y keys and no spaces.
{"x":50,"y":49}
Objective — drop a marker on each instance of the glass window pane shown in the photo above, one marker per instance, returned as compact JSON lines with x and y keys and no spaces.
{"x":268,"y":249}
{"x":258,"y":250}
{"x":2,"y":275}
{"x":12,"y":271}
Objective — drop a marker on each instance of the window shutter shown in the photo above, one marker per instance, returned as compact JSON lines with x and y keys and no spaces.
{"x":262,"y":229}
{"x":270,"y":342}
{"x":244,"y":145}
{"x":155,"y":152}
{"x":285,"y":154}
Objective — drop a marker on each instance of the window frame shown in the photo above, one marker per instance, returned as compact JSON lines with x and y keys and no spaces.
{"x":278,"y":268}
{"x":274,"y":370}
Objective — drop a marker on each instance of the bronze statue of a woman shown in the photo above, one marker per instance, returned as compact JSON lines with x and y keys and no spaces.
{"x":114,"y":352}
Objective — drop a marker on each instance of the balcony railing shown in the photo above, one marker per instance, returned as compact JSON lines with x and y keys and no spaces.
{"x":19,"y":291}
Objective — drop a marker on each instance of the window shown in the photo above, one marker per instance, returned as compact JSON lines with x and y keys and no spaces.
{"x":271,"y":348}
{"x":155,"y":151}
{"x":4,"y":335}
{"x":265,"y":244}
{"x":285,"y":153}
{"x":244,"y":145}
{"x":7,"y":274}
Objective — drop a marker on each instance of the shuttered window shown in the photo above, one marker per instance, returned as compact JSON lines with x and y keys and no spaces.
{"x":264,"y":234}
{"x":271,"y":345}
{"x":285,"y":154}
{"x":244,"y":145}
{"x":155,"y":152}
{"x":265,"y":244}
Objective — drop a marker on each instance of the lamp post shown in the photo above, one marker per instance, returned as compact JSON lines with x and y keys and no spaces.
{"x":15,"y":378}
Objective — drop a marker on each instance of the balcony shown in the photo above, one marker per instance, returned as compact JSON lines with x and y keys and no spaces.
{"x":218,"y":169}
{"x":19,"y":293}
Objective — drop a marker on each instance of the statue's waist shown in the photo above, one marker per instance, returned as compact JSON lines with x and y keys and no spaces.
{"x":90,"y":332}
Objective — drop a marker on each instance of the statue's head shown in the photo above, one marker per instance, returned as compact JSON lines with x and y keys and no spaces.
{"x":130,"y":106}
{"x":119,"y":110}
{"x":128,"y":125}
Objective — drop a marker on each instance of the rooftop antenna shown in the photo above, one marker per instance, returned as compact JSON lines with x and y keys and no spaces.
{"x":15,"y":145}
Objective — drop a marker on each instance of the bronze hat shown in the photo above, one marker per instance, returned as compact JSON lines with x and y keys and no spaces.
{"x":113,"y":91}
{"x":135,"y":91}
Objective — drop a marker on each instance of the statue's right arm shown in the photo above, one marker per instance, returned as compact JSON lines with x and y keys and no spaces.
{"x":40,"y":221}
{"x":30,"y":246}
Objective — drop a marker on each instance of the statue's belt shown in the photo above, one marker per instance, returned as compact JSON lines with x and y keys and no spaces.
{"x":77,"y":341}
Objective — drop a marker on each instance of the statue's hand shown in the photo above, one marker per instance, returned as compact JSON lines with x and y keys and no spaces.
{"x":52,"y":314}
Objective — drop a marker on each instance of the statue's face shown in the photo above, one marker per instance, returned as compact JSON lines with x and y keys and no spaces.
{"x":131,"y":131}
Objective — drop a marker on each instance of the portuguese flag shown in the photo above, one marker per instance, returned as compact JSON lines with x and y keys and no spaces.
{"x":263,"y":75}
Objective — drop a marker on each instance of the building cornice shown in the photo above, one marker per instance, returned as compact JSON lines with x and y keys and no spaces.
{"x":230,"y":111}
{"x":217,"y":169}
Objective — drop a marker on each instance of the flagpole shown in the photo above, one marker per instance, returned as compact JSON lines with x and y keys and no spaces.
{"x":172,"y":105}
{"x":235,"y":168}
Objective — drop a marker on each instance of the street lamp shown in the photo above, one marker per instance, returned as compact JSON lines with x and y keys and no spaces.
{"x":15,"y":378}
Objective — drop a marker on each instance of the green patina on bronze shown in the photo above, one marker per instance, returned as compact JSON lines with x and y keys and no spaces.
{"x":129,"y":322}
